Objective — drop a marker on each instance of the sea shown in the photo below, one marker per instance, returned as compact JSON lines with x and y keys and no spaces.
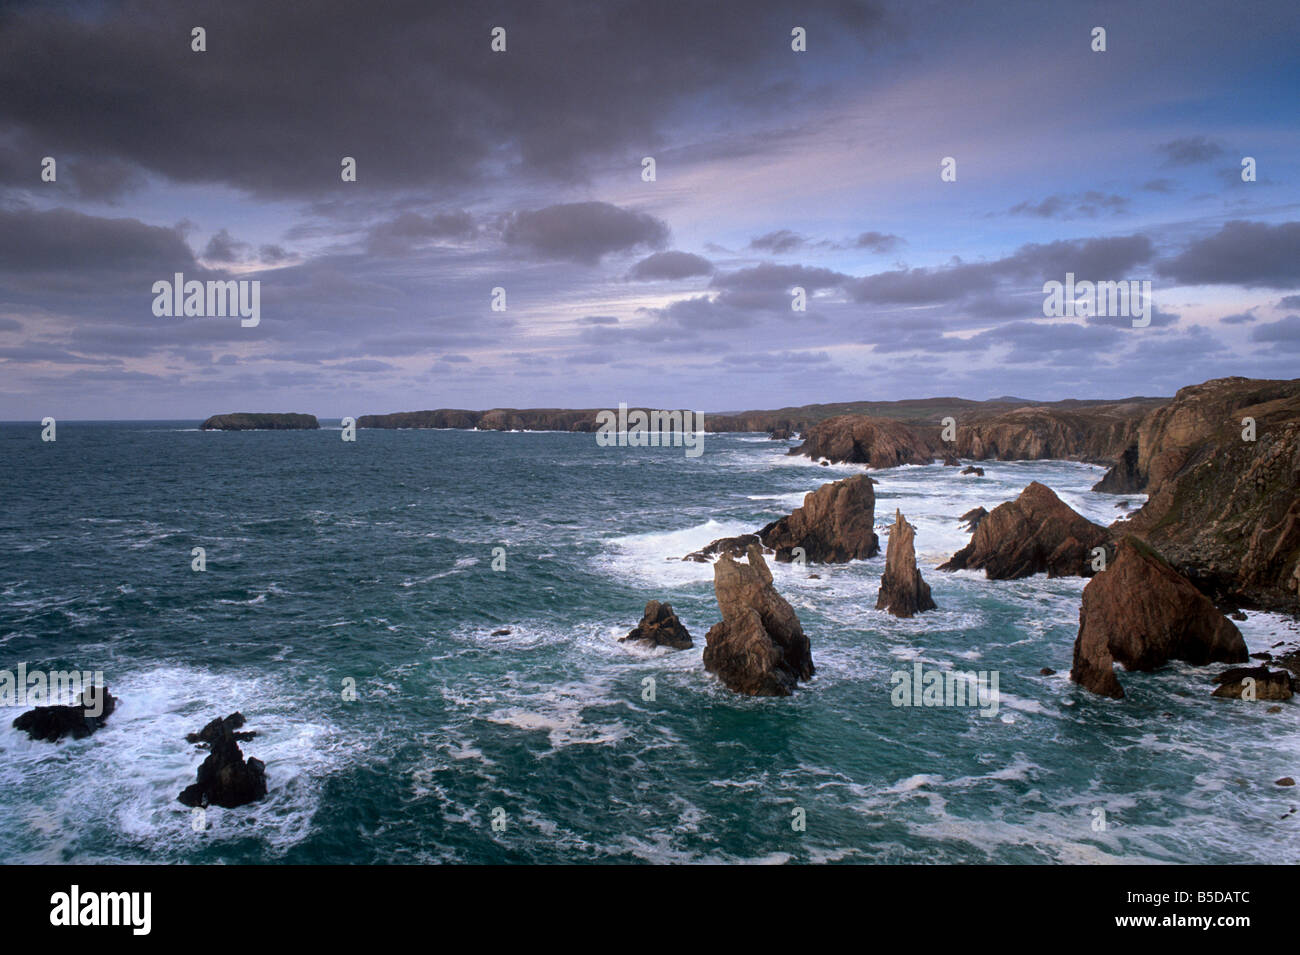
{"x":422,"y":627}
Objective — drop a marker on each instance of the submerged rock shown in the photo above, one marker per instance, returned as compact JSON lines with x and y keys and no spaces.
{"x":903,"y":592}
{"x":660,"y":627}
{"x":225,"y":779}
{"x":1036,"y":533}
{"x":51,"y":723}
{"x":1142,"y":613}
{"x":835,"y":524}
{"x":758,"y":648}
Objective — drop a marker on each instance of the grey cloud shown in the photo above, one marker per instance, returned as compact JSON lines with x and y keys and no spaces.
{"x":671,"y":265}
{"x":1284,"y":333}
{"x":778,"y":242}
{"x":1190,"y":151}
{"x":878,"y":242}
{"x":1250,"y":254}
{"x":583,"y":232}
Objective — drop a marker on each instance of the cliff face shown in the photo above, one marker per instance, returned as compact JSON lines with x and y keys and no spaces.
{"x":858,"y":439}
{"x":1224,"y":510}
{"x":1098,"y":434}
{"x":243,"y":421}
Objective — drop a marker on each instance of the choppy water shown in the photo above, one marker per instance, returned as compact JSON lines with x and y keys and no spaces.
{"x":372,"y":561}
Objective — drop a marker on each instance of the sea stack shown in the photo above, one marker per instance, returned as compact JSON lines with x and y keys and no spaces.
{"x":224,"y":778}
{"x":1036,"y":533}
{"x":1142,"y":613}
{"x":659,"y":627}
{"x":758,"y":648}
{"x":903,"y":592}
{"x":835,"y":524}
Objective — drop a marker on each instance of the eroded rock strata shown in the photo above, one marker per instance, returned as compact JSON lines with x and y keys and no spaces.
{"x":759,"y":647}
{"x":1034,"y":534}
{"x":1141,"y":613}
{"x":835,"y":524}
{"x":859,"y":439}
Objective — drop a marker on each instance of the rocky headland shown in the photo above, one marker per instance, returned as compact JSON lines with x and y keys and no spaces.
{"x":246,"y":421}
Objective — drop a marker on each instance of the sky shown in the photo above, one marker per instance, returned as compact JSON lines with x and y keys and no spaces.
{"x":523,"y":169}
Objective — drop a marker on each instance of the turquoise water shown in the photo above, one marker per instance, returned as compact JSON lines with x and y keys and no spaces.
{"x":373,"y":562}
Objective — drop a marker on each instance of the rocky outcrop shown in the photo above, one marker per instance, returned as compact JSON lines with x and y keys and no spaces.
{"x":951,"y":461}
{"x":1123,"y":476}
{"x":734,"y":547}
{"x":758,"y":648}
{"x":51,"y":723}
{"x":972,"y":469}
{"x":858,"y":439}
{"x":659,"y":627}
{"x":1223,"y":509}
{"x":972,"y":518}
{"x":903,"y":592}
{"x":1034,"y":534}
{"x":1254,"y":683}
{"x":225,"y":779}
{"x":244,"y":421}
{"x":1140,"y":612}
{"x":835,"y":524}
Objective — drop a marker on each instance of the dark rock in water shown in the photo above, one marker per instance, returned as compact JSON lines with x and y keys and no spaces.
{"x":1237,"y":615}
{"x":1142,"y":613}
{"x":224,"y":778}
{"x":1036,"y":533}
{"x":1124,"y":476}
{"x":1285,"y":781}
{"x":730,"y":546}
{"x":780,"y":434}
{"x":1267,"y":684}
{"x":758,"y":648}
{"x":244,"y":421}
{"x":825,"y":464}
{"x":52,"y":723}
{"x":859,"y":439}
{"x":503,"y":632}
{"x":1047,"y":671}
{"x":660,"y":627}
{"x":972,"y":518}
{"x":217,"y":729}
{"x":835,"y":524}
{"x":814,"y":576}
{"x":951,"y":461}
{"x":972,"y":469}
{"x":903,"y":592}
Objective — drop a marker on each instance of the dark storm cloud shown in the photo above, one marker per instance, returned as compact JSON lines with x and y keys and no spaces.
{"x":671,"y":265}
{"x":415,"y":94}
{"x":778,"y":242}
{"x":583,"y":232}
{"x":878,"y":242}
{"x":63,"y":240}
{"x":1190,"y":151}
{"x":222,"y":247}
{"x":411,"y":229}
{"x":1283,"y":334}
{"x":1289,"y":301}
{"x":1250,"y":254}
